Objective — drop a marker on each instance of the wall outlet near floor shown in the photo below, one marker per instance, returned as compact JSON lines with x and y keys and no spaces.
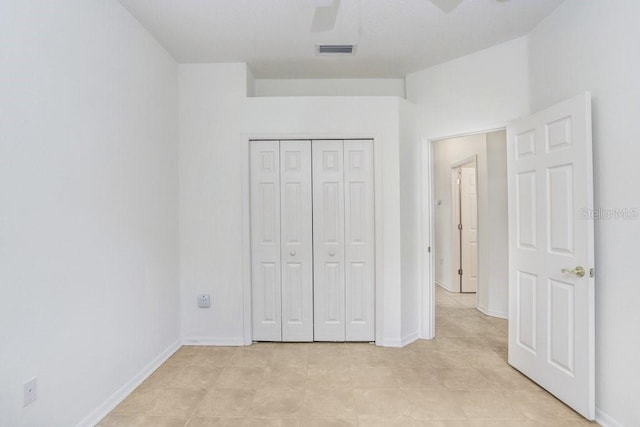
{"x":30,"y":391}
{"x":204,"y":301}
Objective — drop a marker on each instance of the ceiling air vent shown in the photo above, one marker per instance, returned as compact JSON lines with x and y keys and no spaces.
{"x":335,"y":49}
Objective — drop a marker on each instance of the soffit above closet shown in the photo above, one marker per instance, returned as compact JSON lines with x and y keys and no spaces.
{"x":277,"y":38}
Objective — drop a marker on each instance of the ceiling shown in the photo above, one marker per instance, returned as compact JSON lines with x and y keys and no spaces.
{"x":277,"y":38}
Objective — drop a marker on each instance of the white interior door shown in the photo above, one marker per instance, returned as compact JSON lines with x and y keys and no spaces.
{"x":328,"y":240}
{"x":551,"y":291}
{"x":469,"y":232}
{"x":359,"y":240}
{"x":265,"y":240}
{"x":296,"y":238}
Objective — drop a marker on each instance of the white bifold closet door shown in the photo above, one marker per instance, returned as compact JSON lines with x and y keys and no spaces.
{"x":312,"y":240}
{"x":265,"y":240}
{"x":281,"y":245}
{"x":343,"y":240}
{"x":297,"y":247}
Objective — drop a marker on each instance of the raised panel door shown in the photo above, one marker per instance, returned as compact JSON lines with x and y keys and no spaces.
{"x":359,"y":240}
{"x":328,"y":240}
{"x":265,"y":240}
{"x":296,"y":241}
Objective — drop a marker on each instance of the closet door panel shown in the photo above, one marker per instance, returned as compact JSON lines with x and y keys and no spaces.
{"x":359,"y":240}
{"x":328,"y":240}
{"x":265,"y":240}
{"x":296,"y":241}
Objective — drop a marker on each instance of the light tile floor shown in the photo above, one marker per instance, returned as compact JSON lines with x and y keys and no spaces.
{"x":461,"y":378}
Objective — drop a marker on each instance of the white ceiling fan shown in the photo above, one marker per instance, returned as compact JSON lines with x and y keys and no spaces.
{"x":448,"y":6}
{"x":324,"y":18}
{"x":326,"y":12}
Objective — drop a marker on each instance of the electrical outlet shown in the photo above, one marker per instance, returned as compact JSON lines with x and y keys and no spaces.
{"x":204,"y":301}
{"x":30,"y":391}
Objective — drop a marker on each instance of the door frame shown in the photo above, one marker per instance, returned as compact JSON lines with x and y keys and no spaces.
{"x":428,"y":224}
{"x":376,"y":139}
{"x":455,"y":249}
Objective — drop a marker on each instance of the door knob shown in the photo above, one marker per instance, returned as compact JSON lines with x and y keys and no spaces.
{"x":292,"y":253}
{"x":332,"y":253}
{"x":578,"y":271}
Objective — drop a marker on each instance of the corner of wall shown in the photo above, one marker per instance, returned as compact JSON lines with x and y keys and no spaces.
{"x":251,"y":82}
{"x":493,"y":313}
{"x":605,"y":420}
{"x":121,"y":394}
{"x":445,"y":286}
{"x":410,"y":337}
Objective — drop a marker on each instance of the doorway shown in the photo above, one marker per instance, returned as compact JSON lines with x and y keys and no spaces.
{"x":464,"y":198}
{"x":470,"y":233}
{"x":550,"y":293}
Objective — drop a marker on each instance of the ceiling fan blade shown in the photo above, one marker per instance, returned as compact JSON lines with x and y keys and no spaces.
{"x":446,"y":6}
{"x":324,"y":18}
{"x":320,"y":3}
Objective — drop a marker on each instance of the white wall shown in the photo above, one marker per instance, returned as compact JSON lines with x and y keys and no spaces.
{"x":477,"y":92}
{"x":216,"y":121}
{"x":410,"y":223}
{"x":498,"y":229}
{"x":251,"y":83}
{"x":88,"y":189}
{"x":330,"y":87}
{"x":480,"y":91}
{"x":593,"y":46}
{"x":211,"y":114}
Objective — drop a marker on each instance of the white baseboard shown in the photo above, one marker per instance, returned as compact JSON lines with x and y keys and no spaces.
{"x":605,"y":420}
{"x":400,"y":342}
{"x":408,"y":339}
{"x":447,"y":288}
{"x":493,"y":313}
{"x":214,"y":341}
{"x":426,"y":334}
{"x":114,"y":400}
{"x":426,"y":337}
{"x":391,"y":342}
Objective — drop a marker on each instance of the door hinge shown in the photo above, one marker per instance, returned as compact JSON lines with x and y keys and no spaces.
{"x":459,"y":181}
{"x":429,"y":249}
{"x":459,"y":272}
{"x":459,"y":226}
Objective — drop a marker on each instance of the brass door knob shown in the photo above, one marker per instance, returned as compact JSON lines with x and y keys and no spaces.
{"x":578,"y":271}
